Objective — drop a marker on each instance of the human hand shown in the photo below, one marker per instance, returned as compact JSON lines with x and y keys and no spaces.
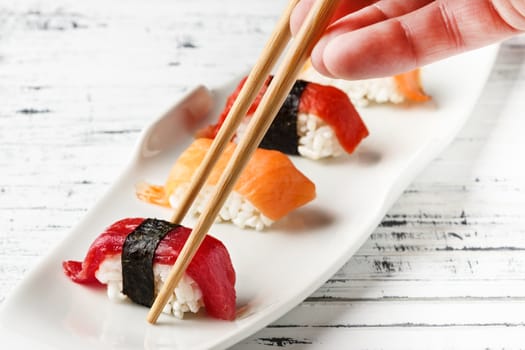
{"x":379,"y":38}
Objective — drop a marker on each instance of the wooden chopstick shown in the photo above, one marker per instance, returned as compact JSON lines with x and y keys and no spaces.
{"x":316,"y":21}
{"x":255,"y":80}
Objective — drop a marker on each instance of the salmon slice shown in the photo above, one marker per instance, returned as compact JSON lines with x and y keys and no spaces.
{"x":270,"y":181}
{"x":409,"y":84}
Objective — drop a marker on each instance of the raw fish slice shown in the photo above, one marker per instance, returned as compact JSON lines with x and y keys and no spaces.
{"x":333,"y":107}
{"x":409,"y":84}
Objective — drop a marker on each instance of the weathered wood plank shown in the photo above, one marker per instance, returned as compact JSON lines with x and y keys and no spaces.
{"x":394,"y":338}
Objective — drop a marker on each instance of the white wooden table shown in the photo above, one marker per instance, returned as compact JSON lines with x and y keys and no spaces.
{"x":79,"y":79}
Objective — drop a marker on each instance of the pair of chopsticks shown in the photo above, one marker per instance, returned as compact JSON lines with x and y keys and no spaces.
{"x":281,"y":84}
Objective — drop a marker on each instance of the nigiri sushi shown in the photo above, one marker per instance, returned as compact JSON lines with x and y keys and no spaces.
{"x":404,"y":87}
{"x":315,"y":121}
{"x":269,"y":187}
{"x":133,"y":256}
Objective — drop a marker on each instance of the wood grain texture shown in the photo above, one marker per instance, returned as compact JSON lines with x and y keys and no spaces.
{"x":79,"y":80}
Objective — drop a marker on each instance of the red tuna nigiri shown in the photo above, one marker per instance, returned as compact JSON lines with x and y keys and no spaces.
{"x":211,"y":268}
{"x":315,"y":121}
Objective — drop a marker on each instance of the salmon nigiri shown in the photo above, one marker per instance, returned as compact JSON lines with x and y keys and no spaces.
{"x":268,"y":188}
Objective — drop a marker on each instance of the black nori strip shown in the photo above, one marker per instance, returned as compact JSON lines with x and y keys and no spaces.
{"x":282,"y":134}
{"x":138,"y":282}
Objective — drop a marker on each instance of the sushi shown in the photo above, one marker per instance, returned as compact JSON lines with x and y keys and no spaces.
{"x":405,"y":87}
{"x":133,"y":256}
{"x":315,"y":121}
{"x":268,"y":188}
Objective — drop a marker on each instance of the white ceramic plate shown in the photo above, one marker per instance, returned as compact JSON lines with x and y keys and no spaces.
{"x":276,"y":269}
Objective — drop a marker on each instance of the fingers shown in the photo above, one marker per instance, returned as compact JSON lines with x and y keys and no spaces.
{"x":345,"y":7}
{"x":511,"y":11}
{"x":437,"y":30}
{"x":378,"y":12}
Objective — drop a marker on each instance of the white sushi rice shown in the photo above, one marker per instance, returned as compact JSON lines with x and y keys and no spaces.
{"x":187,"y":296}
{"x":361,"y":92}
{"x":317,"y":139}
{"x":236,"y":209}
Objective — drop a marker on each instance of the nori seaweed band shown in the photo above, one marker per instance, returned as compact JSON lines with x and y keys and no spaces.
{"x":282,"y":134}
{"x":138,"y":282}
